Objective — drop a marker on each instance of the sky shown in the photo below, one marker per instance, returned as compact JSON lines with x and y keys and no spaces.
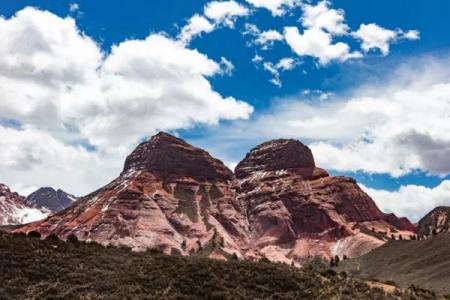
{"x":365,"y":84}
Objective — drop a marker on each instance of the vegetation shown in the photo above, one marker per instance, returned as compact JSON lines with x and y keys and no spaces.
{"x":31,"y":268}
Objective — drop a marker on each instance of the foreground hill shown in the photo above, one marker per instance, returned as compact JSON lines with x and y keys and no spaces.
{"x":34,"y":269}
{"x":425,"y":263}
{"x":177,"y":198}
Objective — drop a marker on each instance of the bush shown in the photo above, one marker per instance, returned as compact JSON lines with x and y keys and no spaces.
{"x":34,"y":234}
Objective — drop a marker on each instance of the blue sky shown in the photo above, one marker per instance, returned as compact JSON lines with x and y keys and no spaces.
{"x":372,"y":113}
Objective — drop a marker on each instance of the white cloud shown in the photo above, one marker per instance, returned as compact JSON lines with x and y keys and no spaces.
{"x":265,"y":39}
{"x":323,"y":17}
{"x":73,"y":7}
{"x":216,"y":15}
{"x":412,"y":35}
{"x":285,"y":64}
{"x":412,"y":200}
{"x":227,"y":66}
{"x":277,"y":7}
{"x":63,"y":90}
{"x":318,"y":44}
{"x":374,"y":36}
{"x":225,"y":12}
{"x":196,"y":26}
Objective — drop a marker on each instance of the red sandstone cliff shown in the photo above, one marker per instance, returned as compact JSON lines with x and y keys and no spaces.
{"x":177,"y":198}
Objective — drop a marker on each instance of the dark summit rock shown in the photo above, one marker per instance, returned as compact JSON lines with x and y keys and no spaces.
{"x":50,"y":199}
{"x":276,"y":155}
{"x":169,"y":155}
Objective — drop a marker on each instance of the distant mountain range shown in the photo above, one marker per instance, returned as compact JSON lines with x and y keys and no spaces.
{"x":176,"y":198}
{"x":16,"y":209}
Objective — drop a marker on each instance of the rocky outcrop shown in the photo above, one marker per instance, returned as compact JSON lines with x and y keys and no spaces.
{"x":177,"y":198}
{"x":296,"y":210}
{"x":14,"y":210}
{"x":437,"y":221}
{"x":170,"y":196}
{"x":51,"y":200}
{"x":170,"y":156}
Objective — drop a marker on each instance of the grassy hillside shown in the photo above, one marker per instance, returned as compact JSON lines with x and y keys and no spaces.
{"x":51,"y":269}
{"x":425,"y":263}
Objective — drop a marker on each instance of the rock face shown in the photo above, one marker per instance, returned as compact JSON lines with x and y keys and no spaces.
{"x":296,"y":210}
{"x":438,"y":219}
{"x":51,"y":200}
{"x":177,"y":198}
{"x":14,"y":210}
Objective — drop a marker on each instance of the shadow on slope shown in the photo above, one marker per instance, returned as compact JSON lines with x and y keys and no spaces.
{"x":424,"y":263}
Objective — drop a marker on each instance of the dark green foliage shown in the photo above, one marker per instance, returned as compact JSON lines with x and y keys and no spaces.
{"x":187,"y":205}
{"x":34,"y":234}
{"x":72,"y":238}
{"x":34,"y":269}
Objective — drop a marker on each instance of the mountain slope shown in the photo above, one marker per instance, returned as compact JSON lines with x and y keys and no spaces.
{"x":48,"y":198}
{"x":58,"y":270}
{"x":437,"y":220}
{"x":296,"y":210}
{"x":14,"y":210}
{"x":425,"y":263}
{"x":176,"y":198}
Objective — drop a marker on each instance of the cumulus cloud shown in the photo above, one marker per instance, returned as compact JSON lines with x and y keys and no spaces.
{"x":321,"y":24}
{"x":215,"y":15}
{"x":56,"y":80}
{"x":196,"y":26}
{"x":322,"y":16}
{"x":225,"y":12}
{"x":265,"y":39}
{"x":374,"y":36}
{"x":413,"y":201}
{"x":276,"y":7}
{"x":318,"y":44}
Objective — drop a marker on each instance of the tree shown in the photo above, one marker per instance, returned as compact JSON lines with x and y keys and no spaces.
{"x":332,"y":263}
{"x":34,"y":234}
{"x":400,"y":237}
{"x":434,"y":232}
{"x":336,"y":260}
{"x":345,"y":257}
{"x":234,"y":257}
{"x":393,"y":237}
{"x":72,"y":238}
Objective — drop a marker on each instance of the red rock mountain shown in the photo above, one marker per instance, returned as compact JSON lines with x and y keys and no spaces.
{"x":437,"y":220}
{"x":177,"y":198}
{"x":14,"y":210}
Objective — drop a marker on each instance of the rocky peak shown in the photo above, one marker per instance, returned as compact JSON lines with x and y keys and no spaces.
{"x":438,"y":219}
{"x":50,"y":199}
{"x":168,"y":155}
{"x":276,"y":155}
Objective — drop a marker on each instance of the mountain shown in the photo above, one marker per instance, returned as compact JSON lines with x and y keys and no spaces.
{"x":296,"y":210}
{"x":176,"y":198}
{"x":51,"y":269}
{"x":49,"y":199}
{"x":14,"y":210}
{"x":438,"y":219}
{"x":424,"y":263}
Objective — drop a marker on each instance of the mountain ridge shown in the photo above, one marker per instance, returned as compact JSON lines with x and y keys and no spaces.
{"x":177,"y":198}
